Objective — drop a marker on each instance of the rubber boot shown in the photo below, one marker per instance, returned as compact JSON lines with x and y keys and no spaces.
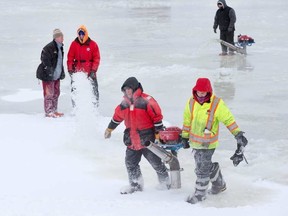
{"x":200,"y":191}
{"x":216,"y":178}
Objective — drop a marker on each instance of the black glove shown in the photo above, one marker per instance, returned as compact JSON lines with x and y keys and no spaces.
{"x":241,"y":143}
{"x":185,"y":143}
{"x":62,"y":76}
{"x":230,"y":29}
{"x":237,"y":157}
{"x":215,"y":31}
{"x":241,"y":140}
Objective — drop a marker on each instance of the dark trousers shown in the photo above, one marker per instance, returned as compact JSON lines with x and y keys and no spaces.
{"x":51,"y":92}
{"x":228,"y":37}
{"x":206,"y":171}
{"x":204,"y":165}
{"x":94,"y":84}
{"x":133,"y":159}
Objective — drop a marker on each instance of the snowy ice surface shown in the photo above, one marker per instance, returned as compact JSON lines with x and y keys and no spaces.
{"x":23,"y":95}
{"x":64,"y":166}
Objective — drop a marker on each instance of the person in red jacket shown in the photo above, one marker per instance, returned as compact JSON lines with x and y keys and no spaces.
{"x":84,"y":56}
{"x":143,"y":119}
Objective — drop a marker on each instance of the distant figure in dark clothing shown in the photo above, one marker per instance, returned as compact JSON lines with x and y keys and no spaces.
{"x":225,"y":18}
{"x":51,"y":71}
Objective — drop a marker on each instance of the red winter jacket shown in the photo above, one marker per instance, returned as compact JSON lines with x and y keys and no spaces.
{"x":142,"y":119}
{"x":85,"y":56}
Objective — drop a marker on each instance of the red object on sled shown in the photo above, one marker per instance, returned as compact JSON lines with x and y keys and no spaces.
{"x":245,"y":39}
{"x":170,"y":135}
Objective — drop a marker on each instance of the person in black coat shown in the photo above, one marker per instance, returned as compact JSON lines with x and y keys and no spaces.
{"x":51,"y":71}
{"x":225,"y":18}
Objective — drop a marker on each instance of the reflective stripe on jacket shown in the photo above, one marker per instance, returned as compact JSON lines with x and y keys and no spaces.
{"x":199,"y":117}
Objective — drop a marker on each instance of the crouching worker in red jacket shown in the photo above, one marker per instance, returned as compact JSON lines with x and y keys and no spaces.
{"x":143,"y":119}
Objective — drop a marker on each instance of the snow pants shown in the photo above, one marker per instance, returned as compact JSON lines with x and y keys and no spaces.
{"x":206,"y":171}
{"x":51,"y":92}
{"x":228,"y":37}
{"x":132,"y":160}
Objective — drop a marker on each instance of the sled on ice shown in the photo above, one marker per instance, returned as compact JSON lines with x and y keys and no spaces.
{"x":241,"y":45}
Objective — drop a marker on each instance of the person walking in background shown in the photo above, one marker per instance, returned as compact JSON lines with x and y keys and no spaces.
{"x":51,"y":71}
{"x":225,"y":18}
{"x":84,"y":56}
{"x":202,"y":114}
{"x":143,"y":120}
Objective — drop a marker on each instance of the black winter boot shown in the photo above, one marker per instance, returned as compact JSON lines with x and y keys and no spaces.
{"x":217,"y":189}
{"x":201,"y":187}
{"x":216,"y":178}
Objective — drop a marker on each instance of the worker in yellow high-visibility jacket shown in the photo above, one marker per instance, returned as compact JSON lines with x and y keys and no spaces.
{"x":202,"y":115}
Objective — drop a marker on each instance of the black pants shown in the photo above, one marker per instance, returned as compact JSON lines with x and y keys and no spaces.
{"x":94,"y":84}
{"x":228,"y":37}
{"x":203,"y":162}
{"x":204,"y":165}
{"x":133,"y":159}
{"x":206,"y":171}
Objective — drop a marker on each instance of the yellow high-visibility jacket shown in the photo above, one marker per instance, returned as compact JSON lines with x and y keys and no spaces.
{"x":199,"y":117}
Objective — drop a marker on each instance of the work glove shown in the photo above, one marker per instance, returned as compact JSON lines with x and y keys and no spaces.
{"x":185,"y":143}
{"x":107,"y":133}
{"x":157,"y":138}
{"x":62,"y":76}
{"x":215,"y":30}
{"x":241,"y":143}
{"x":157,"y":134}
{"x":230,"y":29}
{"x":241,"y":140}
{"x":237,"y":157}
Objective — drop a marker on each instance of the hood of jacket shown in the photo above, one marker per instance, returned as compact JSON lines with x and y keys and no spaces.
{"x":203,"y":85}
{"x":132,"y":83}
{"x":223,"y":3}
{"x":86,"y":36}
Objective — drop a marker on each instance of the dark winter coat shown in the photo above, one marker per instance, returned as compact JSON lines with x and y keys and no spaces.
{"x":49,"y":57}
{"x":141,"y":114}
{"x":225,"y":18}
